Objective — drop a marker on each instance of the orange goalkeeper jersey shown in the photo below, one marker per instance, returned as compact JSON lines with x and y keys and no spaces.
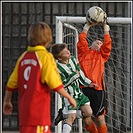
{"x":92,"y":61}
{"x":34,"y":75}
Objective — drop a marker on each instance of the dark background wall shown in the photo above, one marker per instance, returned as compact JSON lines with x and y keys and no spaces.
{"x":16,"y":19}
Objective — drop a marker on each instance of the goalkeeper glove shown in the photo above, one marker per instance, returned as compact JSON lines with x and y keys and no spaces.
{"x":88,"y":25}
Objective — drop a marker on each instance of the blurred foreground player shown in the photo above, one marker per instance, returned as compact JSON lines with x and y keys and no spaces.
{"x":34,"y":75}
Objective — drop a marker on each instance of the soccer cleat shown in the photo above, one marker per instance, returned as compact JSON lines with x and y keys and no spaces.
{"x":59,"y":117}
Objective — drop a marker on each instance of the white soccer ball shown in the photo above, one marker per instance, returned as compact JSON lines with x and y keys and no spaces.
{"x":95,"y":14}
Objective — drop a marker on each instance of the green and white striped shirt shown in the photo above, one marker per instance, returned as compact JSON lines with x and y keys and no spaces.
{"x":71,"y":79}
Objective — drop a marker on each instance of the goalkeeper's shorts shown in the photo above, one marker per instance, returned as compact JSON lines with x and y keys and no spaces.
{"x":98,"y":101}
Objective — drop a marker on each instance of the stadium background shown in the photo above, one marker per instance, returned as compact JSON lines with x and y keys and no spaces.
{"x":16,"y":19}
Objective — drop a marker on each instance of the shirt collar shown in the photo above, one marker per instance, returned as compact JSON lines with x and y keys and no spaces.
{"x":36,"y":48}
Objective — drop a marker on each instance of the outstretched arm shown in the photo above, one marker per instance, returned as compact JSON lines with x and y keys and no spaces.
{"x":87,"y":26}
{"x":82,"y":45}
{"x":106,"y":29}
{"x":106,"y":47}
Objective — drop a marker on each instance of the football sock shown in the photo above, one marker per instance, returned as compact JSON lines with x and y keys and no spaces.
{"x":66,"y":128}
{"x":102,"y":129}
{"x":91,"y":128}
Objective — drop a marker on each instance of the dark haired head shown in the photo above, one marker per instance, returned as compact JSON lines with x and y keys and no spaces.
{"x":57,"y":48}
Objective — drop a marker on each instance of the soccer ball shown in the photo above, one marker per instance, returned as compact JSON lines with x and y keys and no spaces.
{"x":95,"y":14}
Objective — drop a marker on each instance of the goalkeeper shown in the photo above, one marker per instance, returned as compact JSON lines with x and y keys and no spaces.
{"x":92,"y":60}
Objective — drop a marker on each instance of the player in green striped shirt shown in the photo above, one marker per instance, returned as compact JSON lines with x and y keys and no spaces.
{"x":72,"y":76}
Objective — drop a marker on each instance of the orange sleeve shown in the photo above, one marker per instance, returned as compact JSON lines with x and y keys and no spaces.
{"x":82,"y":45}
{"x":106,"y":47}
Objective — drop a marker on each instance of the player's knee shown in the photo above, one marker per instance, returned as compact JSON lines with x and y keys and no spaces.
{"x":87,"y":113}
{"x":71,"y":118}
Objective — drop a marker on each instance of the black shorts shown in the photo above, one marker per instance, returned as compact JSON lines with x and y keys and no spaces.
{"x":98,"y":101}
